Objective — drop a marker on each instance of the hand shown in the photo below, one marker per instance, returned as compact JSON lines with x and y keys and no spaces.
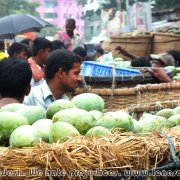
{"x":120,"y":50}
{"x":159,"y":74}
{"x":124,"y":52}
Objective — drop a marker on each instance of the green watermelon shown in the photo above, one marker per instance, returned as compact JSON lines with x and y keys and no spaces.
{"x":118,"y":119}
{"x":165,"y":113}
{"x":81,"y":119}
{"x":42,"y":128}
{"x":32,"y":113}
{"x":62,"y":131}
{"x":23,"y":136}
{"x":12,"y":107}
{"x":57,"y":106}
{"x":98,"y":131}
{"x":88,"y":101}
{"x":10,"y":121}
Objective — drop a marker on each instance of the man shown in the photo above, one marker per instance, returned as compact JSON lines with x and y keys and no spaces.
{"x":62,"y":70}
{"x":162,"y":60}
{"x":40,"y":50}
{"x":169,"y":58}
{"x":81,"y":52}
{"x":18,"y":50}
{"x":29,"y":43}
{"x":3,"y":55}
{"x":15,"y":77}
{"x":70,"y":40}
{"x":57,"y":44}
{"x":99,"y":52}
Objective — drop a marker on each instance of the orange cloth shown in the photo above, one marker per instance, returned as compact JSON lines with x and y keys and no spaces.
{"x":37,"y":73}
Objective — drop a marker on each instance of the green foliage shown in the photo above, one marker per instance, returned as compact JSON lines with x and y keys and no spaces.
{"x":17,"y":6}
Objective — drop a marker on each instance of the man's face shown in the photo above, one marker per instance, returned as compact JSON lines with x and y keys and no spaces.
{"x":70,"y":28}
{"x":72,"y":78}
{"x":157,"y":63}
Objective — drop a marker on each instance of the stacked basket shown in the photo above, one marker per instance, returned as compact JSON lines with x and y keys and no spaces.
{"x":145,"y":45}
{"x":137,"y":45}
{"x":163,"y":42}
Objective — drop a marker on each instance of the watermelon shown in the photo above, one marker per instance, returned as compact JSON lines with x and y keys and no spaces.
{"x":165,"y":113}
{"x":88,"y":101}
{"x":57,"y":106}
{"x":10,"y":121}
{"x":23,"y":136}
{"x":32,"y":113}
{"x":81,"y":119}
{"x":62,"y":131}
{"x":153,"y":122}
{"x":174,"y":120}
{"x":42,"y":128}
{"x":98,"y":131}
{"x":12,"y":107}
{"x":118,"y":119}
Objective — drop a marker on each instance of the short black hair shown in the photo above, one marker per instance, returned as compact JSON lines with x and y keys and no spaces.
{"x":60,"y":58}
{"x":40,"y":43}
{"x":176,"y":55}
{"x":100,"y":51}
{"x":57,"y":44}
{"x":141,"y":62}
{"x":15,"y":77}
{"x":16,"y":47}
{"x":80,"y":51}
{"x":71,"y":20}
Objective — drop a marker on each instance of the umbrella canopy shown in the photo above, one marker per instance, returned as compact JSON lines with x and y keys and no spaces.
{"x":12,"y":25}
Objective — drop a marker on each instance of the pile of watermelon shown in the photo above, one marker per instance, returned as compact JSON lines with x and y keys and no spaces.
{"x":23,"y":126}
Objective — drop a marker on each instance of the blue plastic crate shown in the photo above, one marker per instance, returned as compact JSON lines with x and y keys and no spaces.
{"x":90,"y":68}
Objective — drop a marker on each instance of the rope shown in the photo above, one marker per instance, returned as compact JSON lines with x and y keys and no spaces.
{"x":86,"y":88}
{"x":113,"y":86}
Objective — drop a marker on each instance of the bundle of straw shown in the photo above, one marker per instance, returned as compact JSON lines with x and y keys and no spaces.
{"x":118,"y":152}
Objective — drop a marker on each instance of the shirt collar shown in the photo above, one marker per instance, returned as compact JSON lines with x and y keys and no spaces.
{"x":46,"y":91}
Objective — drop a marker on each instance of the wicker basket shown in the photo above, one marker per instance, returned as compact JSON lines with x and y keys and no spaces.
{"x":137,"y":110}
{"x":137,"y":45}
{"x":163,"y":42}
{"x":121,"y":98}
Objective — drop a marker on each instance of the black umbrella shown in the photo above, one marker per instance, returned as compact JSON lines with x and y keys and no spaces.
{"x":12,"y":25}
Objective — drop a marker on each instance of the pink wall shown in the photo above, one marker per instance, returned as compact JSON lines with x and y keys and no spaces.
{"x":64,"y":9}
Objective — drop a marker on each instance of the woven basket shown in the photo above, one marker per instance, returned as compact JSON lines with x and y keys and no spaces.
{"x":163,"y":42}
{"x":137,"y":110}
{"x":121,"y":98}
{"x":137,"y":45}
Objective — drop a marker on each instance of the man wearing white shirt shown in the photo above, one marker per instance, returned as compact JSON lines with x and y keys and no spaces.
{"x":62,"y":70}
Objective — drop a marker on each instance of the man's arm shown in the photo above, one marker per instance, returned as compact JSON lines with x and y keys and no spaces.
{"x":124,"y":52}
{"x":159,"y":74}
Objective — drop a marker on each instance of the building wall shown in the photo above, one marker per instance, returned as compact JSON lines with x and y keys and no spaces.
{"x":57,"y":11}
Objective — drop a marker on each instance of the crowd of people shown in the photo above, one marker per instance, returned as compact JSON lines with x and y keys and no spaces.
{"x":38,"y":72}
